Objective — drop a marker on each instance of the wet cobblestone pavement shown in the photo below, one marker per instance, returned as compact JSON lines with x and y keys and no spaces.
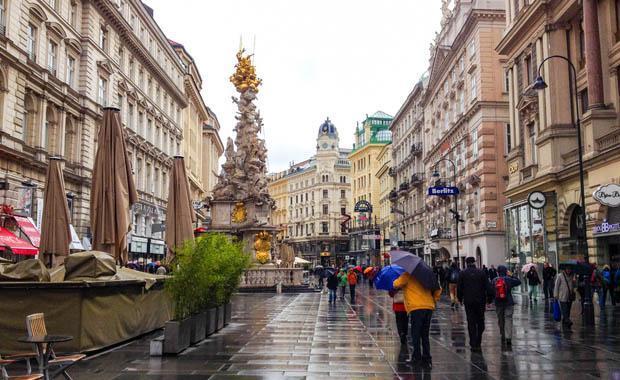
{"x":302,"y":336}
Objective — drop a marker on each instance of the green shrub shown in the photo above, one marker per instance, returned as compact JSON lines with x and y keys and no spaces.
{"x":207,"y":272}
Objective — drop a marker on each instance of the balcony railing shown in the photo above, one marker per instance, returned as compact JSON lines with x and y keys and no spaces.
{"x":417,"y":179}
{"x":403,"y":186}
{"x":416,"y":149}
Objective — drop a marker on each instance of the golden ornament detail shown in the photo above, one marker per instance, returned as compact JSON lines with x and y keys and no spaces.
{"x":245,"y":77}
{"x":239,"y":213}
{"x":262,"y":245}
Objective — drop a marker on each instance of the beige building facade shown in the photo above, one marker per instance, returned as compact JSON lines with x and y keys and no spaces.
{"x":317,"y":194}
{"x":385,"y":217}
{"x":465,"y":121}
{"x":61,"y":61}
{"x":542,"y":153}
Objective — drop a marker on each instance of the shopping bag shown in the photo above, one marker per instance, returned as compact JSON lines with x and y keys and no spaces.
{"x":557,"y":313}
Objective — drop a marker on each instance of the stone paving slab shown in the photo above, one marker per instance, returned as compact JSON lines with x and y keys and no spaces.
{"x":303,"y":336}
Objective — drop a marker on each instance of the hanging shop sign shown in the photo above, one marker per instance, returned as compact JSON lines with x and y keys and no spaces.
{"x":537,"y":200}
{"x":442,"y":191}
{"x":363,"y":206}
{"x":608,"y":195}
{"x":606,"y":228}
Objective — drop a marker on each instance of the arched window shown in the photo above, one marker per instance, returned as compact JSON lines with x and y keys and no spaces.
{"x":50,"y":133}
{"x":576,"y":226}
{"x":69,"y":140}
{"x":30,"y":117}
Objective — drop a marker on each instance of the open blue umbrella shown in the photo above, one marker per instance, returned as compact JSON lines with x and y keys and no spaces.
{"x":386,"y":277}
{"x":416,"y":267}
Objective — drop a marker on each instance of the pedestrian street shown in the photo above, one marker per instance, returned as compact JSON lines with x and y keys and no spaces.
{"x":303,"y":336}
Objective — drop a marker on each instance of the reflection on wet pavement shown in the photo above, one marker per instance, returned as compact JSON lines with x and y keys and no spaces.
{"x":302,"y":335}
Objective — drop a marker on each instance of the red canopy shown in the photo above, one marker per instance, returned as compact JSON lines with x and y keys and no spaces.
{"x":17,"y":245}
{"x":29,"y":229}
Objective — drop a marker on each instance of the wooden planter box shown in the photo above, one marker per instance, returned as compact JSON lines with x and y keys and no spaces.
{"x":177,"y":336}
{"x":198,"y":327}
{"x":211,"y":320}
{"x":227,"y":313}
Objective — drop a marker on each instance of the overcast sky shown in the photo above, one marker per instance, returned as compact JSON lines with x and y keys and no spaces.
{"x":340,"y":59}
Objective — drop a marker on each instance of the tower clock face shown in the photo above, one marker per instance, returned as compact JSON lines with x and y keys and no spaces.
{"x":325,"y":129}
{"x":324,"y":145}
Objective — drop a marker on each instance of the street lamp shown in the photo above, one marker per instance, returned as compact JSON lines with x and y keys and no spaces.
{"x":539,"y":85}
{"x":455,"y":212}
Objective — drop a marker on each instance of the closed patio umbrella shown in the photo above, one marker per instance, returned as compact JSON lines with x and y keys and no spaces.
{"x":180,"y":215}
{"x":55,"y":232}
{"x":113,"y":190}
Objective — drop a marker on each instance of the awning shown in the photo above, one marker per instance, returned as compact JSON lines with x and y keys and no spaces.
{"x":29,"y":229}
{"x":17,"y":245}
{"x":76,"y":244}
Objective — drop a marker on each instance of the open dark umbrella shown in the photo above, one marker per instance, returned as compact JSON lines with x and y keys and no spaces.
{"x":329,"y":272}
{"x":416,"y":267}
{"x":386,"y":277}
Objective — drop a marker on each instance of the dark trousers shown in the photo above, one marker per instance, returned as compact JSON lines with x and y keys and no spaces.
{"x":402,"y":322}
{"x":475,"y":323}
{"x":352,"y":293}
{"x":565,"y":308}
{"x":420,"y":331}
{"x":548,"y":289}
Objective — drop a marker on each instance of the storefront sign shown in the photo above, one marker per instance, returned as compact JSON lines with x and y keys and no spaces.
{"x":157,"y":247}
{"x":491,"y":224}
{"x":371,"y":237}
{"x":441,"y":190}
{"x":608,"y":195}
{"x":605,"y":228}
{"x":363,"y":206}
{"x":143,"y":208}
{"x":537,"y":200}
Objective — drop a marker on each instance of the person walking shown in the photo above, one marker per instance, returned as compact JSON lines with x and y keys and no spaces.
{"x":607,"y":286}
{"x":533,"y":281}
{"x":474,"y":291}
{"x":492,"y":273}
{"x":332,"y":286}
{"x":398,"y":306}
{"x":342,"y":282}
{"x":504,"y":303}
{"x":352,"y":281}
{"x":549,"y":273}
{"x":419,"y":303}
{"x":564,"y":292}
{"x":453,"y":278}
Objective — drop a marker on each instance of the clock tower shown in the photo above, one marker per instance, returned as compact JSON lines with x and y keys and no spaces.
{"x":327,"y":140}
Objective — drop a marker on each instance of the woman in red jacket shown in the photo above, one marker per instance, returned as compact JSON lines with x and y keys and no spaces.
{"x":402,"y":320}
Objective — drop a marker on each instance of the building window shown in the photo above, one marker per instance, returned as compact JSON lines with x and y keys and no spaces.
{"x":508,"y":139}
{"x":474,"y":86}
{"x":103,"y":38}
{"x":71,"y":71}
{"x":507,"y":81}
{"x":102,"y":94}
{"x":343,"y":194}
{"x":583,"y":97}
{"x":130,"y":113}
{"x":343,"y":211}
{"x":324,"y":227}
{"x":472,"y":48}
{"x":325,"y":194}
{"x":528,"y":69}
{"x":325,"y":209}
{"x":52,"y":51}
{"x":73,"y":13}
{"x":2,"y":18}
{"x":582,"y":46}
{"x":532,"y":134}
{"x":139,"y":174}
{"x":148,"y":181}
{"x":474,"y":144}
{"x":156,"y":186}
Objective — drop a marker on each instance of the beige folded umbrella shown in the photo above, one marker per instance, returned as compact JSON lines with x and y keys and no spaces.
{"x":55,"y":233}
{"x":180,"y":215}
{"x":113,"y":190}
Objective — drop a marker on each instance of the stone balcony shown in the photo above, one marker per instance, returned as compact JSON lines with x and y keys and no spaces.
{"x":261,"y":277}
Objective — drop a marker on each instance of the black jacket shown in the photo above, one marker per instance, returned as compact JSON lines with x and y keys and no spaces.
{"x":474,"y":287}
{"x":549,"y":273}
{"x":332,"y":282}
{"x":532,"y":278}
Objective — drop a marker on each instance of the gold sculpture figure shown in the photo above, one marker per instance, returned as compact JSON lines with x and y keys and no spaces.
{"x":262,"y":245}
{"x":239,"y":213}
{"x":245,"y":77}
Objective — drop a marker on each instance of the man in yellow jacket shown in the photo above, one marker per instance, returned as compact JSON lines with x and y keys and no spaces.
{"x":419,"y":303}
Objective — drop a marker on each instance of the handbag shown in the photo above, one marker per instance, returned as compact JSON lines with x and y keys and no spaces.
{"x":571,"y":294}
{"x":557,"y":313}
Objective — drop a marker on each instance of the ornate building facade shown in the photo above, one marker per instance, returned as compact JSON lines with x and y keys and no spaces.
{"x":409,"y":193}
{"x":385,"y":217}
{"x":61,"y":61}
{"x":465,"y":121}
{"x":542,"y":145}
{"x":317,"y":194}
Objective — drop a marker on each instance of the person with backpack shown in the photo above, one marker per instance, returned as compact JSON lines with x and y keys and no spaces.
{"x":549,"y":273}
{"x":607,"y":286}
{"x":342,"y":282}
{"x":352,"y":281}
{"x":504,"y":303}
{"x":564,"y":292}
{"x":475,"y":291}
{"x":453,"y":279}
{"x":332,"y":285}
{"x":533,"y":281}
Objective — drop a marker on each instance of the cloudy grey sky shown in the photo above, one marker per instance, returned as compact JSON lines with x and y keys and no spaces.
{"x":338,"y":58}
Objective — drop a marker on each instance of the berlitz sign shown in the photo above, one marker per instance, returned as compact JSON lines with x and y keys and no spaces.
{"x":608,"y":195}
